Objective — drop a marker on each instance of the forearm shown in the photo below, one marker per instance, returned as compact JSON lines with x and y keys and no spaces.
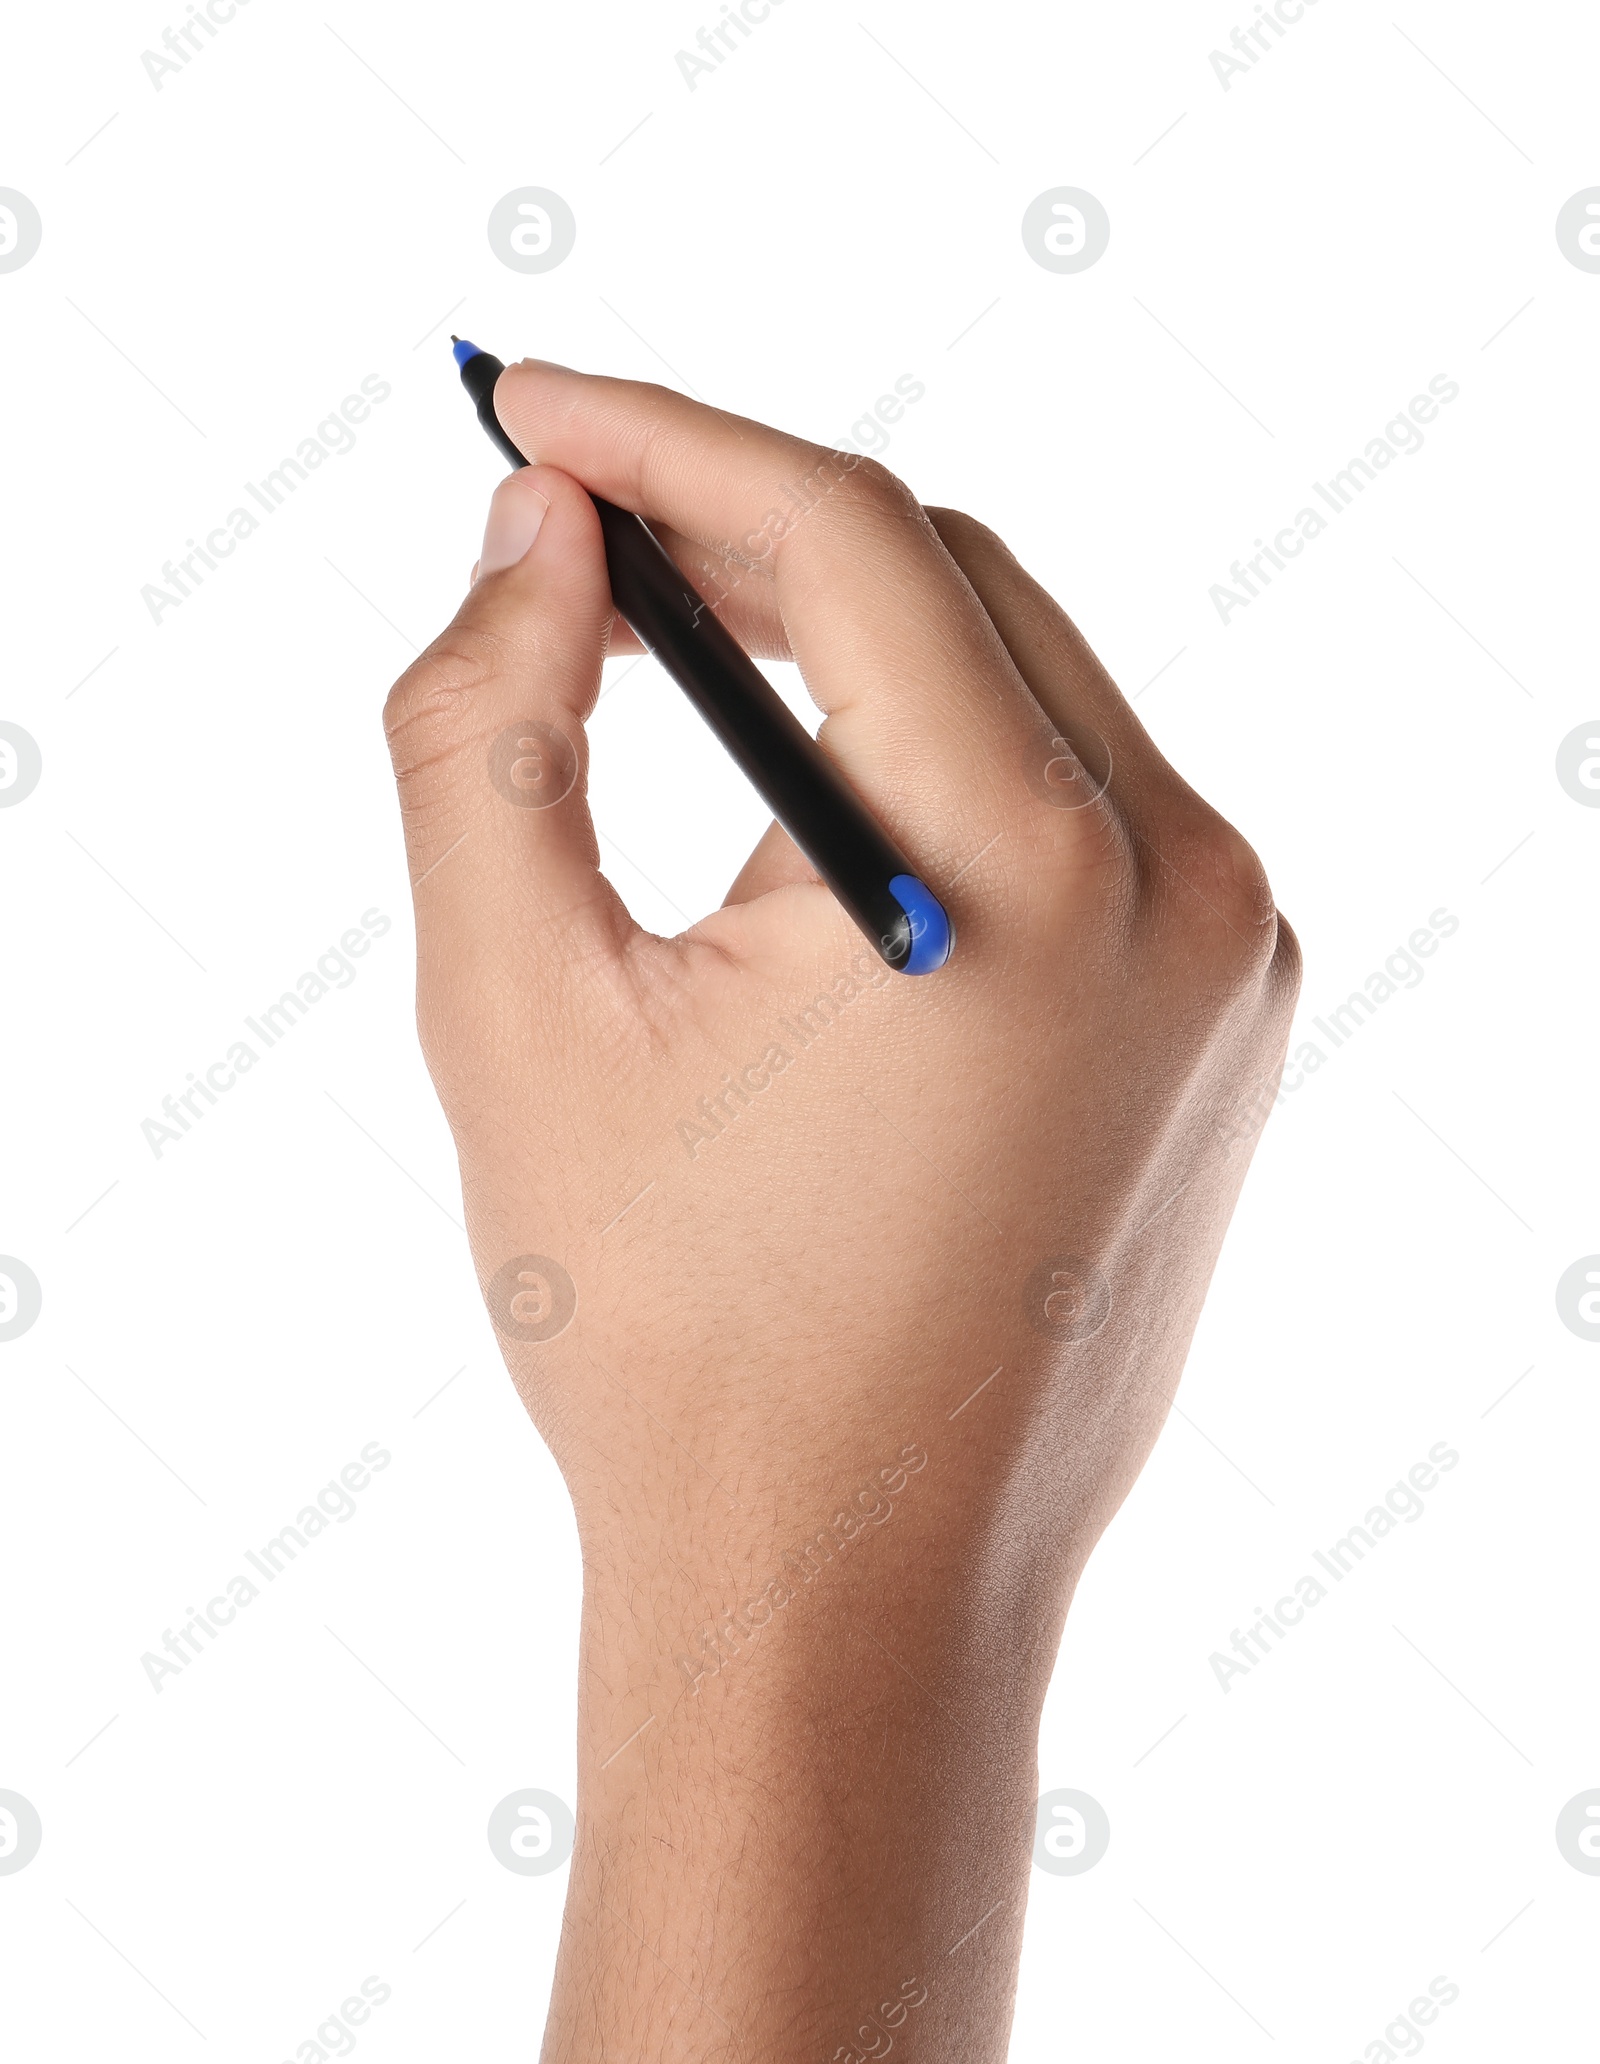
{"x":804,"y":1832}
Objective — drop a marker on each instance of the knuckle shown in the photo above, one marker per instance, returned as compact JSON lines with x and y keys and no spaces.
{"x":866,"y":486}
{"x":1287,"y":967}
{"x":844,"y":498}
{"x":428,"y":709}
{"x":650,"y":463}
{"x":1092,"y":846}
{"x":1210,"y":885}
{"x":962,"y":534}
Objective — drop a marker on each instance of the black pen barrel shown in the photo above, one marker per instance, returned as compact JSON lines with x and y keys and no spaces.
{"x":791,"y":773}
{"x":802,"y":787}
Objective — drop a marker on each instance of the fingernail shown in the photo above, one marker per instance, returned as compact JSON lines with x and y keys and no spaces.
{"x":515,"y":516}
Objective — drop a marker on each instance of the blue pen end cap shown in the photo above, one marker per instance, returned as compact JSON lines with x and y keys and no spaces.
{"x":932,"y":935}
{"x":461,"y":350}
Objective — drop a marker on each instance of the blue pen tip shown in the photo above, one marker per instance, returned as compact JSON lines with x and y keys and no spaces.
{"x":932,"y":935}
{"x":461,"y":350}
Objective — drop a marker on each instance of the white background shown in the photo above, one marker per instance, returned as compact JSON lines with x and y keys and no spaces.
{"x":226,"y":1325}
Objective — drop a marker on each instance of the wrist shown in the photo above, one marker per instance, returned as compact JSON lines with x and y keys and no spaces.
{"x":832,"y":1830}
{"x":925,"y":1541}
{"x":762,"y":1705}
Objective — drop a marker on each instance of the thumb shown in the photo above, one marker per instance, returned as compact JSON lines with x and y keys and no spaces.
{"x":485,"y":729}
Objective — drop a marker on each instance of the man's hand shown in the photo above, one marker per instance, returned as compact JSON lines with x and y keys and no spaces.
{"x":849,"y":1304}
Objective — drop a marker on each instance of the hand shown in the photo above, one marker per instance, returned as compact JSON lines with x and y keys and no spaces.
{"x":849,"y":1304}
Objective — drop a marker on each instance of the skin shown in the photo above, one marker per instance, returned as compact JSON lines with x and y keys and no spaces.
{"x":923,"y":1290}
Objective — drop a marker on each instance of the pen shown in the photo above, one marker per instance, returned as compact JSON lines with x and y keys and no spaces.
{"x":804,"y":790}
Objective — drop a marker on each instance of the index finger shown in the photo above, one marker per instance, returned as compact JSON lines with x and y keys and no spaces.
{"x":920,"y":692}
